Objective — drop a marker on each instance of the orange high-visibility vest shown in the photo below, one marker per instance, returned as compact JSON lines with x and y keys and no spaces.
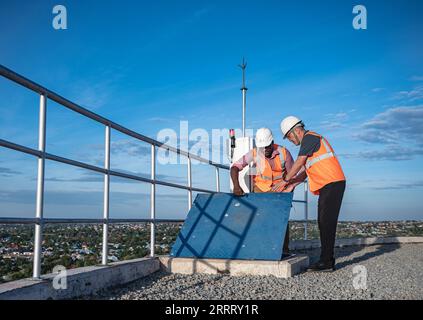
{"x":265,"y":177}
{"x":323,"y":167}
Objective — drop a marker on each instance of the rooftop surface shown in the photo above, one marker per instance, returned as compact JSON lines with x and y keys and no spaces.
{"x":393,"y":272}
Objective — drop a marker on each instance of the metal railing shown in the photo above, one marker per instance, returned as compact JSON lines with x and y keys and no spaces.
{"x":42,"y":156}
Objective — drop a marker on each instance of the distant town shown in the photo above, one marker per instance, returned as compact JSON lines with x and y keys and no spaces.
{"x":76,"y":246}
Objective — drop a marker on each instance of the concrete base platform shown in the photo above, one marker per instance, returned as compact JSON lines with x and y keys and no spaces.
{"x":80,"y":281}
{"x":339,"y":243}
{"x":285,"y":268}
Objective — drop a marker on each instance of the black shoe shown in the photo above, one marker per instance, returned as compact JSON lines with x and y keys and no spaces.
{"x":322,"y":266}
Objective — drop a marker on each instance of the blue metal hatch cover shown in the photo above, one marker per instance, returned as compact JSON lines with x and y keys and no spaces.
{"x":223,"y":226}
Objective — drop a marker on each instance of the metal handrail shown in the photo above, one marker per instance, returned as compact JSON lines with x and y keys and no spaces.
{"x":39,"y":221}
{"x":11,"y":75}
{"x":48,"y":156}
{"x":11,"y":220}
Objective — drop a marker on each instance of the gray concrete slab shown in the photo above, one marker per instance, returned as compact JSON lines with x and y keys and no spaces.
{"x":80,"y":281}
{"x":282,"y":269}
{"x":311,"y":244}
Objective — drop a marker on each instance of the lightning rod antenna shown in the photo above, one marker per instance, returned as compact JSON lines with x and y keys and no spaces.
{"x":244,"y":89}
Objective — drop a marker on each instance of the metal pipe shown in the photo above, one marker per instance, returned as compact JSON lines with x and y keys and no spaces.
{"x":189,"y":184}
{"x":244,"y":103}
{"x":106,"y":204}
{"x":244,"y":89}
{"x":48,"y":156}
{"x":40,"y":190}
{"x":153,"y":200}
{"x":8,"y":221}
{"x":20,"y":148}
{"x":217,"y":180}
{"x":15,"y":77}
{"x":305,"y":210}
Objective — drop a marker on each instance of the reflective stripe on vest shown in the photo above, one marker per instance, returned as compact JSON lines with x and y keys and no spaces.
{"x":326,"y":155}
{"x":320,"y":173}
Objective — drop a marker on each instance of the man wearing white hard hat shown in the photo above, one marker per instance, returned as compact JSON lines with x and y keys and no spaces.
{"x":271,"y":163}
{"x":326,"y":179}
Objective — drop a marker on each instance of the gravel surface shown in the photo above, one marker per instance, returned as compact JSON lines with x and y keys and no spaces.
{"x":393,"y":272}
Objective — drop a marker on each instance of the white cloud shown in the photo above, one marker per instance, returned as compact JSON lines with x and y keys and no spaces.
{"x":401,"y":185}
{"x":410,"y":96}
{"x":416,"y":78}
{"x":333,"y":121}
{"x":378,"y":89}
{"x":399,"y":130}
{"x":401,"y":123}
{"x":7,"y":172}
{"x":390,"y":153}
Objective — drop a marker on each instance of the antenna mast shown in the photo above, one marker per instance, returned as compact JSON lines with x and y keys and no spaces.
{"x":244,"y":89}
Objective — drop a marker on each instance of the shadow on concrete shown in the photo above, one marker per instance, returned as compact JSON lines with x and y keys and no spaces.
{"x":348,"y":251}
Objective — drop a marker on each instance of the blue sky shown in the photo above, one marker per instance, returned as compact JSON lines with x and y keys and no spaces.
{"x":149,"y":65}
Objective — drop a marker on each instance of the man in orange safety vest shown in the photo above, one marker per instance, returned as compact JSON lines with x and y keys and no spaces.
{"x":271,"y":162}
{"x":326,"y":179}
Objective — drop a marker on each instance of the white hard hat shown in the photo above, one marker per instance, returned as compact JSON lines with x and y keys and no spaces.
{"x":264,"y":137}
{"x":288,"y":123}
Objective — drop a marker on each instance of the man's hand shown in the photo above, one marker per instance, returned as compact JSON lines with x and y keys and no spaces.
{"x":234,"y":176}
{"x":279,"y":187}
{"x":289,"y":188}
{"x":238,"y":191}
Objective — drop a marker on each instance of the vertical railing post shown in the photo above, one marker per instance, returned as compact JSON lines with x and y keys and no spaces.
{"x":189,"y":183}
{"x":40,"y":189}
{"x":153,"y":200}
{"x":305,"y":210}
{"x":106,"y":206}
{"x":217,"y":180}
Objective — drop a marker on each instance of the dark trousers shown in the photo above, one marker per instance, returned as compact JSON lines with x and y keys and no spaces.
{"x":329,"y":205}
